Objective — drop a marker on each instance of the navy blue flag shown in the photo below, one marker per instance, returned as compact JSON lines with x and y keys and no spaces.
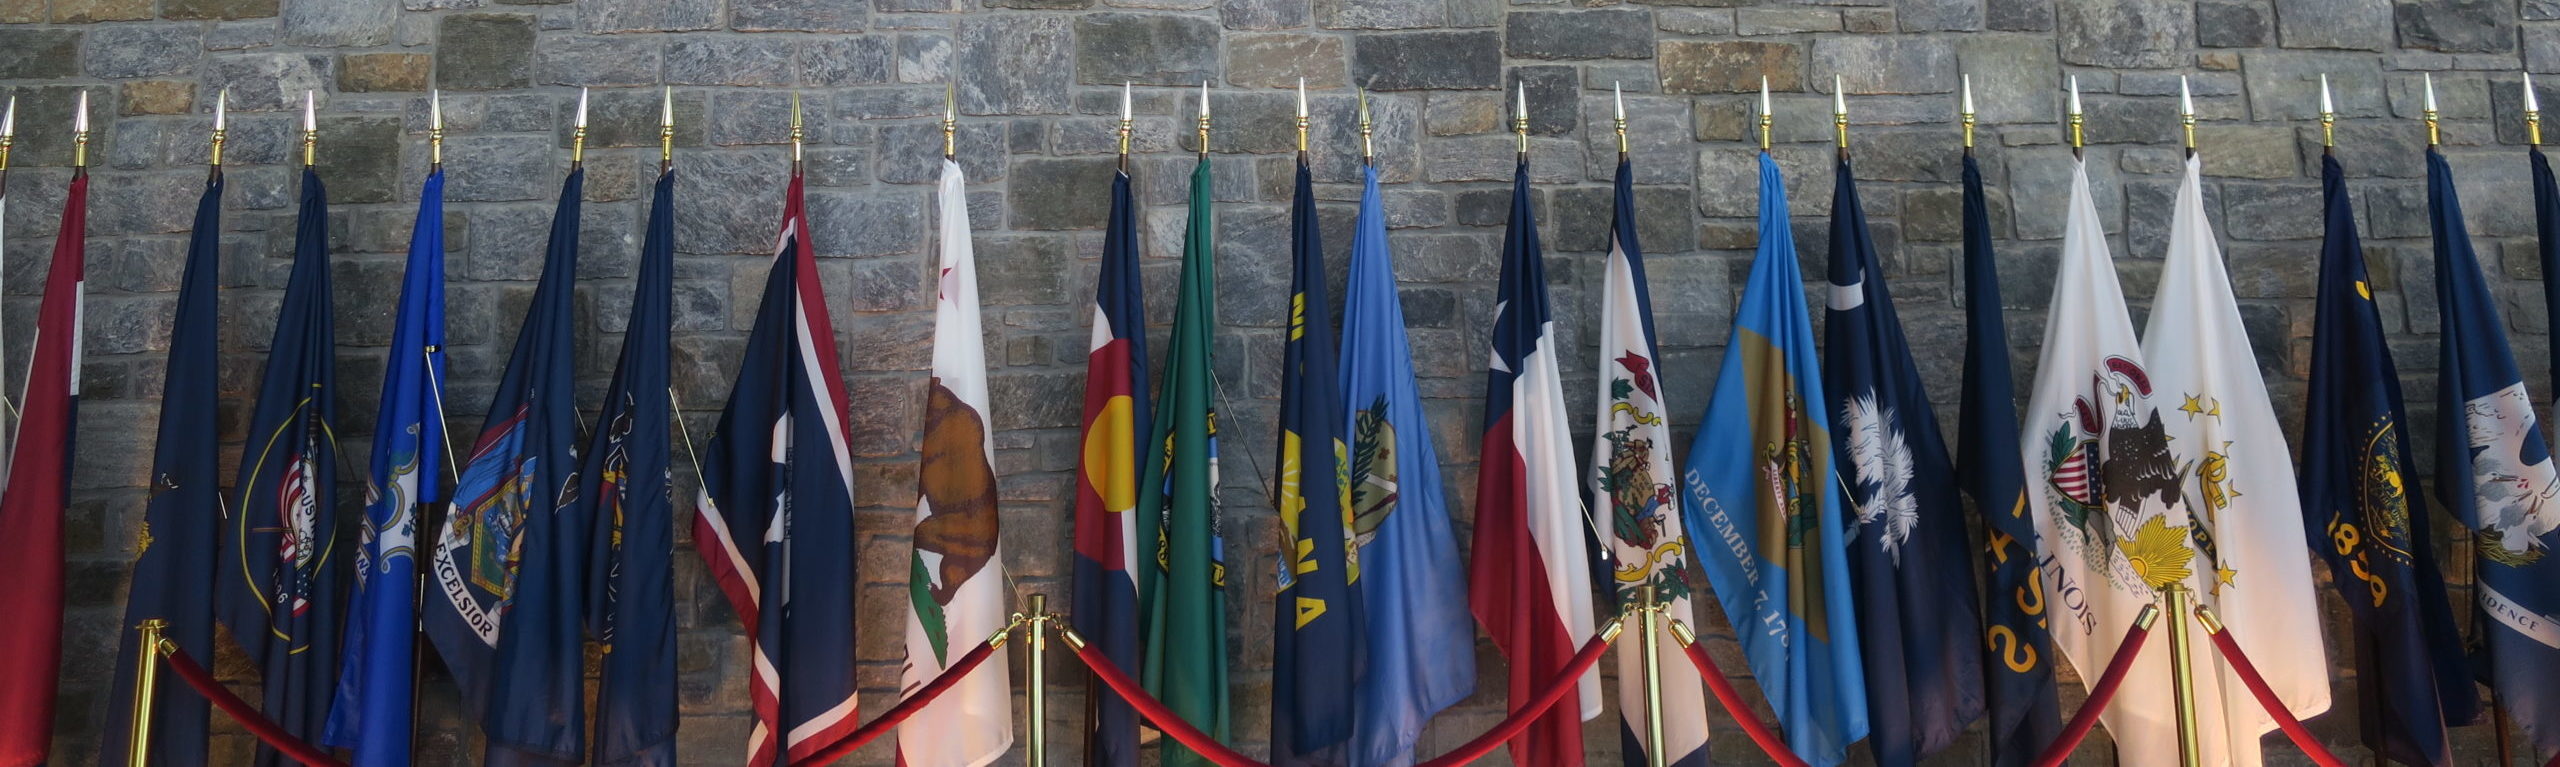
{"x":173,"y":572}
{"x":2017,"y":647}
{"x":372,"y":716}
{"x":777,"y":478}
{"x":1913,"y":577}
{"x":282,"y":570}
{"x":2546,"y":226}
{"x":510,"y":564}
{"x":1116,"y":414}
{"x":630,"y":586}
{"x":1318,"y":613}
{"x":2497,"y":445}
{"x":2364,"y":513}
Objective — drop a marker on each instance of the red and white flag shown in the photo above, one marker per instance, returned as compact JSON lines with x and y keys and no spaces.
{"x":31,"y":508}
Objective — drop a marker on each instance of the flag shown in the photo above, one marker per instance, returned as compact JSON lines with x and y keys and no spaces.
{"x":1317,"y":612}
{"x":371,"y":715}
{"x":780,"y":478}
{"x":956,"y":581}
{"x":174,"y":553}
{"x":2017,"y":644}
{"x":1911,"y":577}
{"x":1531,"y":582}
{"x":1767,"y":514}
{"x":630,"y":582}
{"x":2240,"y":494}
{"x":1632,"y":475}
{"x":32,"y":507}
{"x":1115,"y":421}
{"x":278,"y":590}
{"x":2508,"y":505}
{"x":510,"y":563}
{"x":2105,"y":489}
{"x":1420,"y":643}
{"x":2366,"y":516}
{"x":1184,"y":595}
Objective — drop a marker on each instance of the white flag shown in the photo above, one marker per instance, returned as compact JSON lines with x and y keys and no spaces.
{"x":2107,"y":492}
{"x":2251,"y":564}
{"x":956,"y":581}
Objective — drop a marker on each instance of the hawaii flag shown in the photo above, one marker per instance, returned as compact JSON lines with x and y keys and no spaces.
{"x":1106,"y":537}
{"x":2106,"y":490}
{"x":1631,"y":481}
{"x":2239,"y":487}
{"x":1531,"y":586}
{"x":776,"y":478}
{"x":956,"y":575}
{"x":31,"y":509}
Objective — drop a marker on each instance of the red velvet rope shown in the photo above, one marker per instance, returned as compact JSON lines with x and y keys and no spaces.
{"x":889,"y":720}
{"x":1565,"y":682}
{"x":2268,"y":700}
{"x":1733,"y":704}
{"x":258,"y":724}
{"x":2100,"y":695}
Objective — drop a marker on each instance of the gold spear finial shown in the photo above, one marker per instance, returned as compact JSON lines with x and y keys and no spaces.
{"x":1204,"y":119}
{"x":1520,"y":116}
{"x":2532,"y":112}
{"x":435,"y":130}
{"x":1302,"y":118}
{"x":2433,"y":137}
{"x":80,"y":135}
{"x":578,"y":134}
{"x":1764,"y":114}
{"x":1965,"y":111}
{"x":1124,"y":126}
{"x":1840,"y":113}
{"x":796,"y":132}
{"x":950,"y":119}
{"x":310,"y":130}
{"x":2328,"y":117}
{"x":8,"y":137}
{"x":2187,"y":113}
{"x":1618,"y":94}
{"x":2076,"y":142}
{"x":221,"y":108}
{"x":666,"y":128}
{"x":1368,"y":152}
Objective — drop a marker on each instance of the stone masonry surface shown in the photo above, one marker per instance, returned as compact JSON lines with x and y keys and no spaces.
{"x":1038,"y":83}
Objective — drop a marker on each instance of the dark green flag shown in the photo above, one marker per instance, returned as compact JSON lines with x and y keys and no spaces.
{"x":1183,"y":593}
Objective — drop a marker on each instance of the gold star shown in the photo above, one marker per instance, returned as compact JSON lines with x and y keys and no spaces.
{"x":2192,"y":407}
{"x":2217,"y":410}
{"x":2224,"y":574}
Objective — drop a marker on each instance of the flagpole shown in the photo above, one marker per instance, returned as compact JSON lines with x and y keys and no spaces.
{"x":1965,"y":115}
{"x":2329,"y":118}
{"x":2181,"y":674}
{"x":1840,"y":114}
{"x":1124,"y":128}
{"x":1204,"y":121}
{"x":2187,"y":114}
{"x":310,"y":133}
{"x":2076,"y":143}
{"x":2532,"y":114}
{"x":8,"y":406}
{"x":1619,"y":95}
{"x":1652,"y":678}
{"x":221,"y":105}
{"x":950,"y":120}
{"x":667,"y":130}
{"x":1302,"y":121}
{"x":435,"y":131}
{"x":1368,"y":150}
{"x":796,"y":133}
{"x":578,"y":135}
{"x":2433,"y":137}
{"x":1764,"y":115}
{"x":146,"y":685}
{"x":1520,"y":119}
{"x":1039,"y":679}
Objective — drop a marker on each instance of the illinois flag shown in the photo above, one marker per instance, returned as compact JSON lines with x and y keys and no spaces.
{"x":776,"y":478}
{"x":1420,"y":644}
{"x":956,"y":583}
{"x":2239,"y":488}
{"x":1531,"y":583}
{"x":1116,"y":418}
{"x":281,"y":568}
{"x":31,"y":508}
{"x":1316,"y":620}
{"x":1764,"y":506}
{"x":2367,"y":517}
{"x":1632,"y":482}
{"x":2106,"y":491}
{"x":2495,"y":474}
{"x":1913,"y":577}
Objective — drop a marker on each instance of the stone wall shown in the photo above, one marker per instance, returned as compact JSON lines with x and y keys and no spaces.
{"x":1037,"y":82}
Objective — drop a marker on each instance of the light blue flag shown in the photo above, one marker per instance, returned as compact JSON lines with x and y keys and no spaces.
{"x":371,"y":716}
{"x":1421,"y":639}
{"x":1764,"y":506}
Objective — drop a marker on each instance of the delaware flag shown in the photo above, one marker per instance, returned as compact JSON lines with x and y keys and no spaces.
{"x":2366,"y":516}
{"x":778,"y":477}
{"x":510,"y":565}
{"x":1913,"y":577}
{"x":278,"y":590}
{"x":1316,"y":650}
{"x":173,"y":572}
{"x":2239,"y":489}
{"x":1421,"y":643}
{"x":630,"y":584}
{"x":1116,"y":416}
{"x":32,"y":507}
{"x":956,"y":582}
{"x":1631,"y":477}
{"x":2017,"y":645}
{"x":2508,"y":502}
{"x":2107,"y":493}
{"x":371,"y":715}
{"x":1531,"y":583}
{"x":1184,"y":596}
{"x":1764,"y":508}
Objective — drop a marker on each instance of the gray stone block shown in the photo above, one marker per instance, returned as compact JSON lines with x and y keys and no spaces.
{"x":1885,"y":64}
{"x":1279,"y":60}
{"x":1015,"y":65}
{"x":2231,"y":24}
{"x":1690,"y":66}
{"x":339,"y":23}
{"x":1592,"y":34}
{"x":846,"y":60}
{"x":598,"y":61}
{"x":142,"y":50}
{"x":751,"y":61}
{"x":797,"y":16}
{"x":264,"y":81}
{"x":1379,"y":14}
{"x":1148,"y":49}
{"x":649,"y":15}
{"x":484,"y":51}
{"x":31,"y":54}
{"x":1428,"y":61}
{"x":2125,"y":33}
{"x":2363,"y":25}
{"x":1060,"y":193}
{"x":1266,"y":14}
{"x":1939,"y":15}
{"x":2286,"y":85}
{"x":2015,"y":79}
{"x":2457,"y":26}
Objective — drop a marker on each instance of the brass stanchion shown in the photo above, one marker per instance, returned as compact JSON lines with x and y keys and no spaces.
{"x":1039,"y":627}
{"x":2181,"y":673}
{"x":1652,"y":678}
{"x":146,"y":684}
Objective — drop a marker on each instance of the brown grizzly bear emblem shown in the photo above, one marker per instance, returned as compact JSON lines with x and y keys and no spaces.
{"x":960,"y":487}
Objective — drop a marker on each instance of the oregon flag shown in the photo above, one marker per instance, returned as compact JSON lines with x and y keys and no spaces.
{"x":1183,"y":592}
